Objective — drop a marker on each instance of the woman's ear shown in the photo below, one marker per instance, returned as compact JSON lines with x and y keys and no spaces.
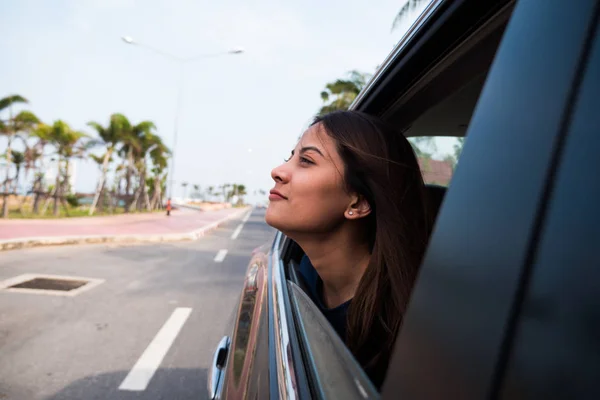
{"x":359,"y":208}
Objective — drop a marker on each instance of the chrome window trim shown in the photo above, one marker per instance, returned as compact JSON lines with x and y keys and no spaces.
{"x":404,"y":40}
{"x":280,"y":328}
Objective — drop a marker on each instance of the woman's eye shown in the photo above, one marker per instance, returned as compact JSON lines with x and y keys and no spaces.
{"x":305,"y":160}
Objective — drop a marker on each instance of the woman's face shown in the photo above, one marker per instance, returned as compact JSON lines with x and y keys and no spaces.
{"x":309,"y":193}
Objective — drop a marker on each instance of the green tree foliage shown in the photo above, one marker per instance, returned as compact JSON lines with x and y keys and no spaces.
{"x":340,"y":94}
{"x":133,"y":153}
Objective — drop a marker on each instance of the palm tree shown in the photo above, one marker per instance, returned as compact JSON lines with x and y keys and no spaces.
{"x":236,"y":190}
{"x":407,"y":9}
{"x":102,"y":162}
{"x":24,"y":121}
{"x":109,"y":137}
{"x":241,"y":192}
{"x":76,"y":147}
{"x":148,"y":143}
{"x":7,"y":126}
{"x":18,"y":158}
{"x":224,"y":188}
{"x":118,"y":178}
{"x":133,"y":140}
{"x":196,"y":190}
{"x":158,"y":156}
{"x":232,"y":192}
{"x":30,"y":157}
{"x":68,"y":144}
{"x":43,"y":133}
{"x":210,"y":191}
{"x":129,"y":144}
{"x":340,"y":94}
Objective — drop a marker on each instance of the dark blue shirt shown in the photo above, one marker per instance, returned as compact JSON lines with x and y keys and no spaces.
{"x":337,"y":315}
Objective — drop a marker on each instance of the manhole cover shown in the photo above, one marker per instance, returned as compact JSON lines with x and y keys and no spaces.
{"x":50,"y":284}
{"x":57,"y":285}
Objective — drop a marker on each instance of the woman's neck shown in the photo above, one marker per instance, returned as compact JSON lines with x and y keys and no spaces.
{"x":340,"y":263}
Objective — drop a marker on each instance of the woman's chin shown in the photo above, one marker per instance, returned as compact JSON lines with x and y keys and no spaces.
{"x":271,"y":217}
{"x":277,"y":219}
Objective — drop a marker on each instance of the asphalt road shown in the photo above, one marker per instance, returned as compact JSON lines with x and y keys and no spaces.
{"x":84,"y":347}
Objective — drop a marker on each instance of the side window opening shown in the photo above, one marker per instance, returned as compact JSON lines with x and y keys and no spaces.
{"x":438,"y":157}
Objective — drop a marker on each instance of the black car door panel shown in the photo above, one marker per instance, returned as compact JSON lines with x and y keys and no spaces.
{"x":455,"y":331}
{"x":556,"y":349}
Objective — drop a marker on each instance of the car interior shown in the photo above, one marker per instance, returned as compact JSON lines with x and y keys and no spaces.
{"x":439,"y":103}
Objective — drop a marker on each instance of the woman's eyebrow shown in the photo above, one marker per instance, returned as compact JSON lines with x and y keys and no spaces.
{"x":315,"y":149}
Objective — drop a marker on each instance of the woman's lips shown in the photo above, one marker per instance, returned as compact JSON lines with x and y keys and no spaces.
{"x":275,"y":195}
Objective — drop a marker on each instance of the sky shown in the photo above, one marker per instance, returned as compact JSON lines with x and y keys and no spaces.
{"x":240,"y":115}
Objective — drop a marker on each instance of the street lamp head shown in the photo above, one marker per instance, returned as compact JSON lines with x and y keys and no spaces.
{"x":127,"y":39}
{"x":236,"y":50}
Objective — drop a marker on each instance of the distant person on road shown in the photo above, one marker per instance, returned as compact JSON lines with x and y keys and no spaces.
{"x":168,"y":207}
{"x":353,"y":198}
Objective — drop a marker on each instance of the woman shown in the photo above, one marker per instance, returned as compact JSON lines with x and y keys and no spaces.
{"x":352,"y":196}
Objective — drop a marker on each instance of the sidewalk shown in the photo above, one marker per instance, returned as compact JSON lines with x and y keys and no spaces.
{"x":183,"y":224}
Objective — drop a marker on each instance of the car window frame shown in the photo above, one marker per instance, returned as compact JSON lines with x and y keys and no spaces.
{"x":439,"y":32}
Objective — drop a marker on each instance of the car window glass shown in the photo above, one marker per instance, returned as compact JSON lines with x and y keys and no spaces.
{"x":338,"y":374}
{"x":437,"y":157}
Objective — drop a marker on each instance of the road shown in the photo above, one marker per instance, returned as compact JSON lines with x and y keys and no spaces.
{"x":85,"y":346}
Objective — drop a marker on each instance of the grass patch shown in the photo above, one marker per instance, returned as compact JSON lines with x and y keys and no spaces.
{"x":73,"y":213}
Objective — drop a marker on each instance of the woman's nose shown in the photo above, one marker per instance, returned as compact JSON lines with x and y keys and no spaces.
{"x":280,"y":174}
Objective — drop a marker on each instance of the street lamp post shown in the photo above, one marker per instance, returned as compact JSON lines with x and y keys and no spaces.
{"x":181,"y":61}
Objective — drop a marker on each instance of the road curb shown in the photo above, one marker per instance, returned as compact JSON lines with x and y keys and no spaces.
{"x":25,"y":243}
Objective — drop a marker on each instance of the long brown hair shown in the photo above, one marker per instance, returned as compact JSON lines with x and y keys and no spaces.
{"x":381,"y":165}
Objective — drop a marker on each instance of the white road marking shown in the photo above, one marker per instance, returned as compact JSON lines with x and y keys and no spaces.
{"x":221,"y":255}
{"x":237,"y":231}
{"x":143,"y":370}
{"x":247,"y":217}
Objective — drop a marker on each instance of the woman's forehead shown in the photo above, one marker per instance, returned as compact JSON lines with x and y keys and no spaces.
{"x":315,"y":136}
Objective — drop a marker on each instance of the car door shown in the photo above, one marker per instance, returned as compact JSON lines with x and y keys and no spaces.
{"x":506,"y":304}
{"x":241,"y":360}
